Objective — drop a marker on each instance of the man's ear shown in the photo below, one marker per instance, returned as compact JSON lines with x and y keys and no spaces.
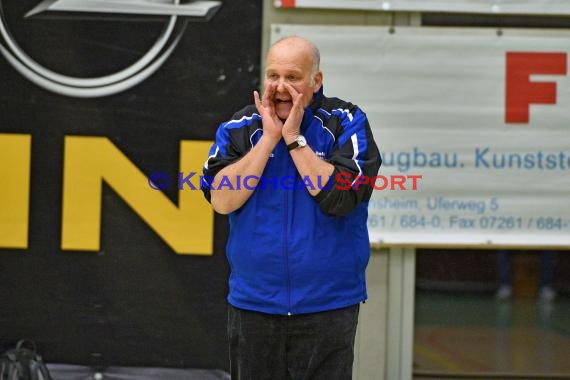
{"x":318,"y":79}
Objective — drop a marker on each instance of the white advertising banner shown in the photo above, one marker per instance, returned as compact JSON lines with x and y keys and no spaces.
{"x":473,"y":128}
{"x":542,"y":7}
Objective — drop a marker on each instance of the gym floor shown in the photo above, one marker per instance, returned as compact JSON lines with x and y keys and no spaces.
{"x":462,"y":334}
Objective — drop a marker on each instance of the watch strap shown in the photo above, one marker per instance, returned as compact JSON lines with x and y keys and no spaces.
{"x":293,"y":145}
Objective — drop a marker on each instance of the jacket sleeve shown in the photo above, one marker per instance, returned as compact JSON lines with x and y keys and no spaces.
{"x":354,"y":154}
{"x":225,"y":150}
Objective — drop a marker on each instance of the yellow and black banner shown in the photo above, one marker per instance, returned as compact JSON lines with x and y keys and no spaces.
{"x":99,"y":265}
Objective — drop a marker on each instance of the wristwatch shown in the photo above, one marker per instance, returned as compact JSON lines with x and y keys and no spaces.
{"x":299,"y":142}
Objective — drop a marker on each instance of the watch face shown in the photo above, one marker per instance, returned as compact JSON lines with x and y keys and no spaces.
{"x":301,"y":141}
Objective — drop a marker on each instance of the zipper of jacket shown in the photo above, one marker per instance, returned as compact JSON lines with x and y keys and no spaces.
{"x":285,"y":251}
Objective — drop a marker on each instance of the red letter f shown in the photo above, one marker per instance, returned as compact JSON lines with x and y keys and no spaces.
{"x":521,"y":92}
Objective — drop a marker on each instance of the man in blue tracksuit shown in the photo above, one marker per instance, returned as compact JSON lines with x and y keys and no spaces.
{"x":290,"y":172}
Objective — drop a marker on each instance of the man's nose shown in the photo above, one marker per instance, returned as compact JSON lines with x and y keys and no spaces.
{"x":281,"y":85}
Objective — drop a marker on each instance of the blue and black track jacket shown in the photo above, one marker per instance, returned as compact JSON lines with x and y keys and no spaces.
{"x":290,"y":252}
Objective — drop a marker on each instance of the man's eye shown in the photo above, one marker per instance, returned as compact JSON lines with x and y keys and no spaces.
{"x":273,"y":76}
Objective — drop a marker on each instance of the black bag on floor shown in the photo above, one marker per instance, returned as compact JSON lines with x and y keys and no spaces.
{"x":23,"y":363}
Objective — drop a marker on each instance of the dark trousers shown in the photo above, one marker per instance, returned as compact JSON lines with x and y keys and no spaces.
{"x":299,"y":347}
{"x":547,"y":261}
